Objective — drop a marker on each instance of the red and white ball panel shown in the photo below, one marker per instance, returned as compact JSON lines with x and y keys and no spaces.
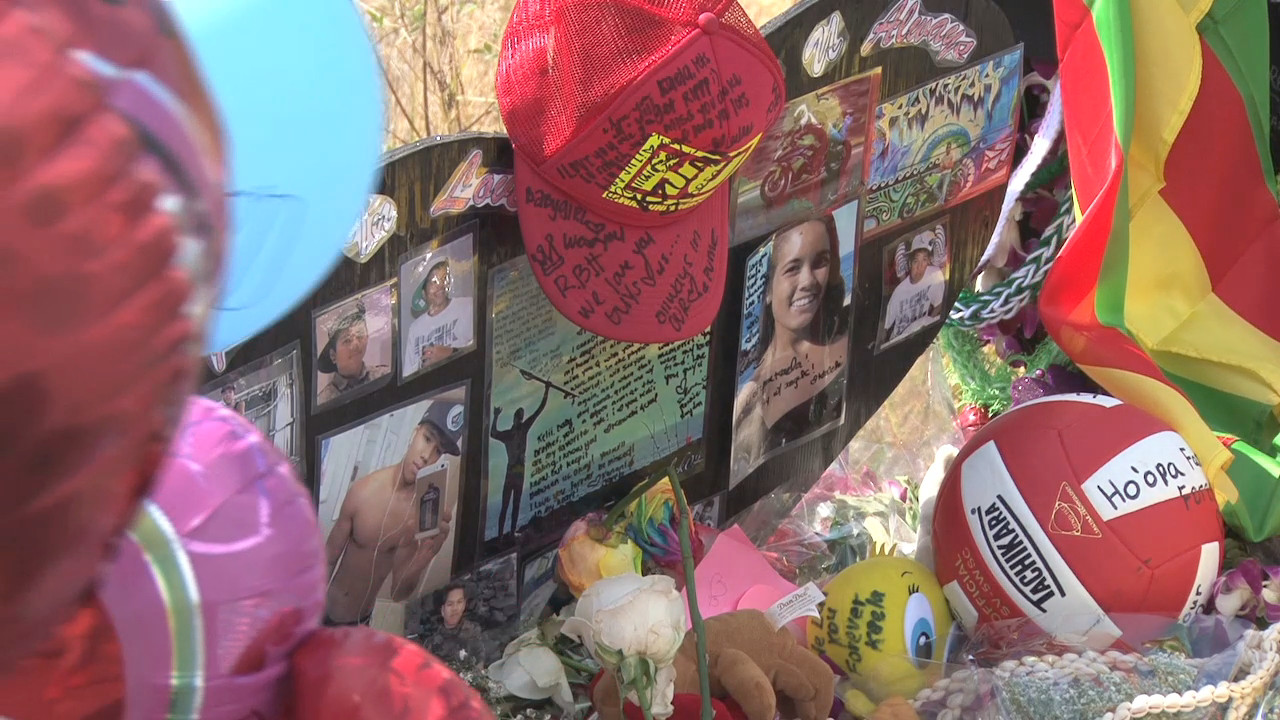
{"x":1076,"y":511}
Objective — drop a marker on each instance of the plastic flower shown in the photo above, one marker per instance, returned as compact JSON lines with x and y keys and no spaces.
{"x":633,"y":625}
{"x":590,"y":552}
{"x":1251,"y":590}
{"x":531,"y":670}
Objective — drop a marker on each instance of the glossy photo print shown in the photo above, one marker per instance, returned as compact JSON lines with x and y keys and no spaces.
{"x":916,"y":268}
{"x":541,"y":592}
{"x":437,"y":307}
{"x":477,"y":614}
{"x":710,"y":512}
{"x":356,"y":337}
{"x":813,"y":159}
{"x":269,"y":393}
{"x":388,"y":496}
{"x":793,"y":351}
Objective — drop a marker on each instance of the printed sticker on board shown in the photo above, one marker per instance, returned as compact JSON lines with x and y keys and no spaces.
{"x":218,"y":361}
{"x":907,"y":24}
{"x":373,"y":230}
{"x":826,"y":45}
{"x":474,"y":186}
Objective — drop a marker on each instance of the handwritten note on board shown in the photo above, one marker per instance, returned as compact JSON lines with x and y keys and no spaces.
{"x":572,"y":412}
{"x":735,"y":576}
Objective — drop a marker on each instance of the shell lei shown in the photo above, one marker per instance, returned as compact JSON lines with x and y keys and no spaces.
{"x":1047,"y":687}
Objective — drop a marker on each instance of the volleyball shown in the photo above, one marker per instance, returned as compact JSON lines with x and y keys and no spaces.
{"x":1084,"y":517}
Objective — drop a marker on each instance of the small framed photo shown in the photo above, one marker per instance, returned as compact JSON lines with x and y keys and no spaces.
{"x":356,"y":337}
{"x":477,"y":614}
{"x":917,"y":265}
{"x":269,"y":393}
{"x":437,"y":312}
{"x":539,"y":588}
{"x":710,"y":512}
{"x":388,"y":497}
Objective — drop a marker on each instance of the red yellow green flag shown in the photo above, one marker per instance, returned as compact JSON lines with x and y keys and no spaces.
{"x":1162,"y":293}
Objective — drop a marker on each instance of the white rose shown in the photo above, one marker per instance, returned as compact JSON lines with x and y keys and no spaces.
{"x":639,"y":616}
{"x":664,"y":694}
{"x":531,"y":670}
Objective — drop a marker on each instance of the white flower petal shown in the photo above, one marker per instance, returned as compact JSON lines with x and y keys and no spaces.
{"x":610,"y":592}
{"x":580,"y":629}
{"x":563,"y":697}
{"x":533,"y":673}
{"x":516,"y":680}
{"x":1230,"y":603}
{"x":541,"y":664}
{"x":630,"y":616}
{"x":664,"y":693}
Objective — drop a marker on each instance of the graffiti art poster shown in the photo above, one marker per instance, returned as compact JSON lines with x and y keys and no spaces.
{"x":793,"y":354}
{"x":944,"y":142}
{"x":572,"y":414}
{"x":811,"y":160}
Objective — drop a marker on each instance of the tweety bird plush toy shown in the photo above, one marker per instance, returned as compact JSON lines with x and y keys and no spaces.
{"x":885,"y":623}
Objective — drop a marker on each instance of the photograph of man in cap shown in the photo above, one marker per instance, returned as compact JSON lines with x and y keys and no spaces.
{"x":375,"y":535}
{"x":357,"y":346}
{"x":919,"y":263}
{"x":442,"y":324}
{"x":228,"y":397}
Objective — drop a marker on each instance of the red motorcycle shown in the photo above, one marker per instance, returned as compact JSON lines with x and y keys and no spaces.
{"x":797,"y":166}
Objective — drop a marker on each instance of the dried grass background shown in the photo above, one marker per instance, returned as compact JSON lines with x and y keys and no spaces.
{"x":440,"y":57}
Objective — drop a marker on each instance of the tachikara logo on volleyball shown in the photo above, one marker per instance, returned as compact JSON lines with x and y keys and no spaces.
{"x":1016,"y":555}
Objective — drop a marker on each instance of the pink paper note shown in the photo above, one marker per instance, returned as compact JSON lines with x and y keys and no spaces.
{"x":734,"y":571}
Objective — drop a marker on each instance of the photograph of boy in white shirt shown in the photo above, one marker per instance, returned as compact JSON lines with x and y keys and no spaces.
{"x":438,"y":313}
{"x":920,"y":263}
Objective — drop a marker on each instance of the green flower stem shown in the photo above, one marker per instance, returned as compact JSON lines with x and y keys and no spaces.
{"x":638,"y":675}
{"x":581,"y":667}
{"x":615,"y":513}
{"x":685,"y":529}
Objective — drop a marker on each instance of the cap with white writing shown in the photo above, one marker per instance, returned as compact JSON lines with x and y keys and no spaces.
{"x":628,"y":117}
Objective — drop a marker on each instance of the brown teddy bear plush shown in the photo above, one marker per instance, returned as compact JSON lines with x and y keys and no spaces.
{"x":761,"y":669}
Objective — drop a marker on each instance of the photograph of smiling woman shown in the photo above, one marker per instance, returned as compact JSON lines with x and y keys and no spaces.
{"x":794,"y":359}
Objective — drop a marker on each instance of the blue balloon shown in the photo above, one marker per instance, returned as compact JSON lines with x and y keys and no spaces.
{"x":299,"y":89}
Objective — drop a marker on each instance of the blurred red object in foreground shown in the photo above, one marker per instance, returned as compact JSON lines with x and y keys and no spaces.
{"x":78,"y":673}
{"x":359,"y":674}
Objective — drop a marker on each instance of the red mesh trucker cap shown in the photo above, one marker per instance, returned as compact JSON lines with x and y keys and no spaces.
{"x":628,"y":117}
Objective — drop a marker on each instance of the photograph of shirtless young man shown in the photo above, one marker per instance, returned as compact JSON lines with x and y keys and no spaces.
{"x":377,"y":545}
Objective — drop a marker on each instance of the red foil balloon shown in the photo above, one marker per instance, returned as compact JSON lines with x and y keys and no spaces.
{"x":360,"y":674}
{"x":112,"y":211}
{"x":77,"y":675}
